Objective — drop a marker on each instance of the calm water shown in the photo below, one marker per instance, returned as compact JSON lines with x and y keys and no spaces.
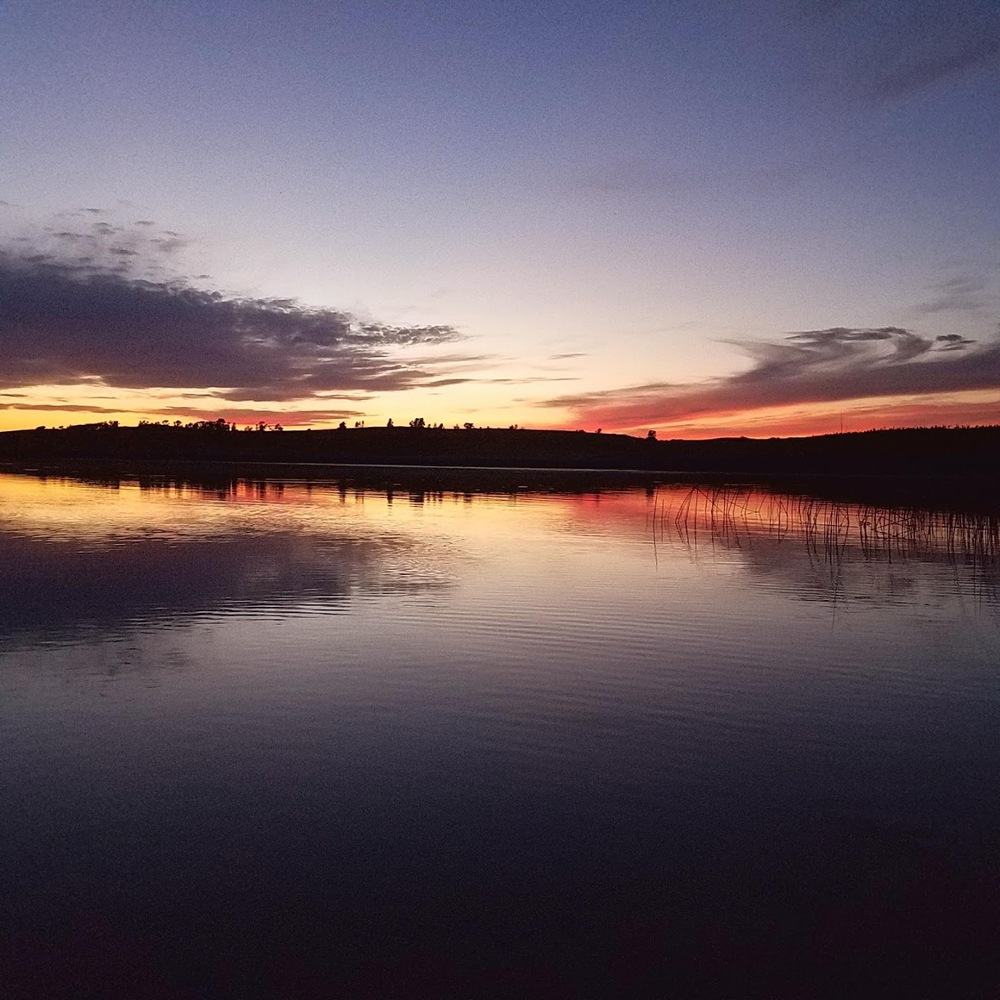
{"x":305,"y":740}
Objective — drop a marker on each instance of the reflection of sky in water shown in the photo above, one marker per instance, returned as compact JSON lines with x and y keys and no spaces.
{"x":93,"y":557}
{"x":317,"y":722}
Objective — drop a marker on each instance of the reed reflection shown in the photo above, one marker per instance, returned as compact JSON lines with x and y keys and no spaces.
{"x":815,"y":541}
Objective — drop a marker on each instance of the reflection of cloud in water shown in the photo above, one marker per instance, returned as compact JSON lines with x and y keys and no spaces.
{"x":814,"y":548}
{"x":63,"y":589}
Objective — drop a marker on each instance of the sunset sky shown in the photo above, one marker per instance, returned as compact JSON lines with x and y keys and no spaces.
{"x":771,"y":217}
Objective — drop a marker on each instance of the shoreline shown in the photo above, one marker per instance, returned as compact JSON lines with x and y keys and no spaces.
{"x":930,"y":490}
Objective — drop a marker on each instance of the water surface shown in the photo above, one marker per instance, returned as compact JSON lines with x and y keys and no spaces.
{"x":302,"y":737}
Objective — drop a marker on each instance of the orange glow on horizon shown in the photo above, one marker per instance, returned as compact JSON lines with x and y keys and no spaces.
{"x":970,"y":408}
{"x":811,"y":419}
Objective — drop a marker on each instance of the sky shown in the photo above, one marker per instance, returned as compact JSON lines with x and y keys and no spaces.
{"x":703,"y":218}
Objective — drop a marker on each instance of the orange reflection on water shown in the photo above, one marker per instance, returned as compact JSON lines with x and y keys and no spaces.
{"x":678,"y":513}
{"x":117,"y":511}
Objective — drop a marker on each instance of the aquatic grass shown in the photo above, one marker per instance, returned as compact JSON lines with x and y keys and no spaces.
{"x":739,"y":517}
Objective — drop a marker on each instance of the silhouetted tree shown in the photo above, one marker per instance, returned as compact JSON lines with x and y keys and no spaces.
{"x":418,"y":422}
{"x":651,"y":436}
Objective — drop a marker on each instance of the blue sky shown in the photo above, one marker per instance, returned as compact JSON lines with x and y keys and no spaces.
{"x":554,"y":214}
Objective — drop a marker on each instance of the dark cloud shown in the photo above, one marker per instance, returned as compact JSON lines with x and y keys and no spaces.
{"x":94,"y":303}
{"x":440,"y":383}
{"x":812,"y":366}
{"x":953,"y":342}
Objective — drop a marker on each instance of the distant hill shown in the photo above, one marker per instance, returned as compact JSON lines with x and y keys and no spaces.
{"x":936,"y":451}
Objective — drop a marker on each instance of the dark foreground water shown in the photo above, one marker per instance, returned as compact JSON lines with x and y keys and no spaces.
{"x":300,"y":740}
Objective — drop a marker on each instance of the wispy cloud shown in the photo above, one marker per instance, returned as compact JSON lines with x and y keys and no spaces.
{"x":807,"y":367}
{"x":253,"y":415}
{"x":532,"y":379}
{"x":777,"y":175}
{"x":968,"y":293}
{"x":59,"y":407}
{"x":885,"y":51}
{"x":96,"y":301}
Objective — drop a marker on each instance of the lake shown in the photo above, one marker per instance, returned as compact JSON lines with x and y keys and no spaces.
{"x":335,"y":739}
